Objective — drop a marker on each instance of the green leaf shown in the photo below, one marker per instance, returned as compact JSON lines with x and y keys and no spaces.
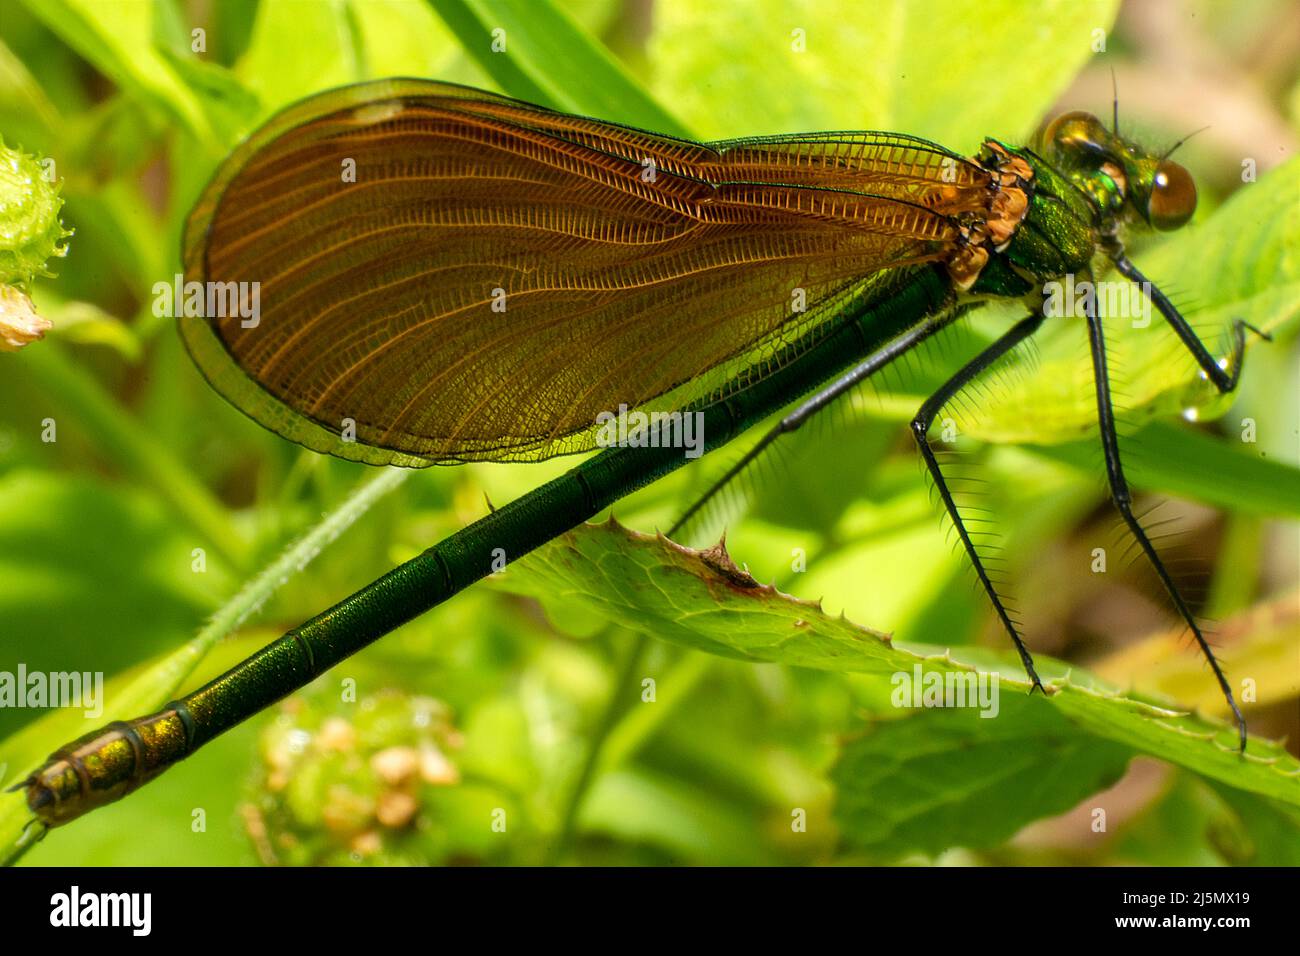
{"x":642,"y":807}
{"x":953,"y":72}
{"x":117,"y":36}
{"x":700,"y":599}
{"x":951,"y":778}
{"x":22,"y":95}
{"x":1173,"y":830}
{"x":690,"y":597}
{"x":87,"y":324}
{"x":232,"y":106}
{"x":1185,"y":739}
{"x":1163,"y":456}
{"x":337,"y":42}
{"x":323,"y":52}
{"x":403,"y":38}
{"x":1176,"y":460}
{"x":548,"y":59}
{"x":1271,"y":831}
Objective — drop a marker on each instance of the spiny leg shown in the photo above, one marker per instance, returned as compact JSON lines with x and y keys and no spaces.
{"x":1225,"y":380}
{"x":805,"y":411}
{"x":1119,"y":493}
{"x":921,"y":430}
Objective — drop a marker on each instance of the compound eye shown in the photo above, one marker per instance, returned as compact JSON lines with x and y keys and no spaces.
{"x":1173,"y":197}
{"x":1077,"y":132}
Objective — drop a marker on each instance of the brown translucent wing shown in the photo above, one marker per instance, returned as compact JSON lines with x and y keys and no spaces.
{"x":447,"y":275}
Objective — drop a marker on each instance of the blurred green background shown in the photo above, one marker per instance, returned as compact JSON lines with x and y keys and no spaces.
{"x":497,"y":707}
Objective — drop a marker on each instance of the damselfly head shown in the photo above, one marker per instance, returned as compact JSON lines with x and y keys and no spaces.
{"x":1118,"y":175}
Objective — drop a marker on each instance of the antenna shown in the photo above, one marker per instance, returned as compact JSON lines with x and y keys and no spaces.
{"x":1170,"y":151}
{"x":1114,"y":104}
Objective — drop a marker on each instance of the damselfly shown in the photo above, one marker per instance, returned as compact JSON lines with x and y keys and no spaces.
{"x":447,"y":275}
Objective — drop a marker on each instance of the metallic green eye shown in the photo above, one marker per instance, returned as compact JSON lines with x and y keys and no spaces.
{"x":1173,"y":196}
{"x":1077,"y":132}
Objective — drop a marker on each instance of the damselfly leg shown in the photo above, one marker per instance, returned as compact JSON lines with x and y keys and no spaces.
{"x":921,"y":430}
{"x":796,"y":419}
{"x":1225,"y":380}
